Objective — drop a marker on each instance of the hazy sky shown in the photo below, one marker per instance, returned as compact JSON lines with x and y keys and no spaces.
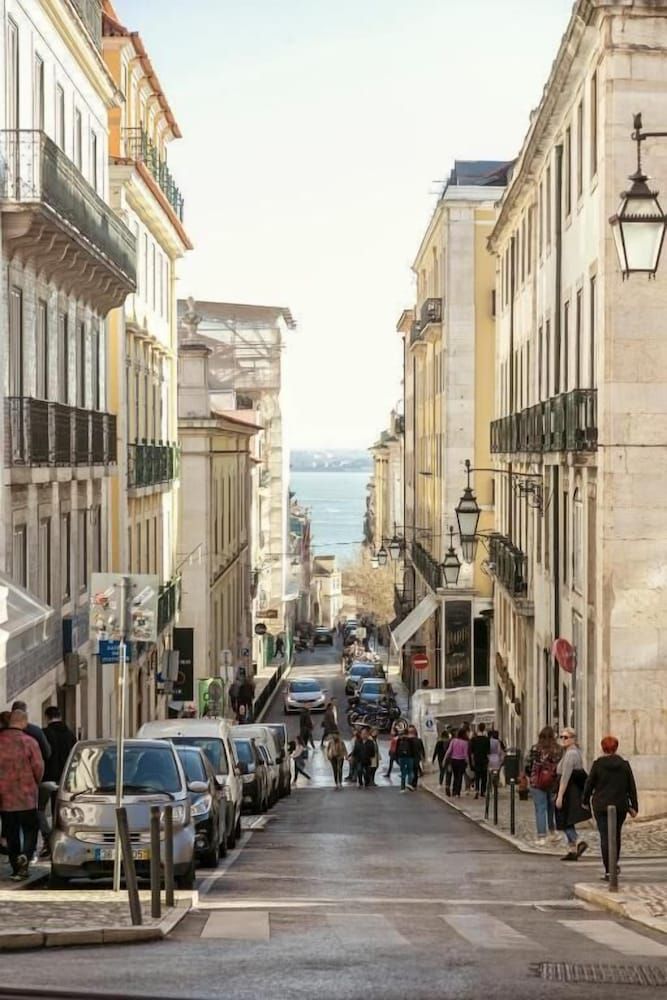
{"x":316,"y":134}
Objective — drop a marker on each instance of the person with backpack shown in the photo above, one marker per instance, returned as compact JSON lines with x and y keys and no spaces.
{"x":541,"y":766}
{"x":336,"y":753}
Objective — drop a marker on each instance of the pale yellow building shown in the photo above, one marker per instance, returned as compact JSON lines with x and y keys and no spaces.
{"x":143,"y":346}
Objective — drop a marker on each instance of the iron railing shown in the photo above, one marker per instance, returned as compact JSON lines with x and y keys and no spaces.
{"x":168,"y":602}
{"x":51,"y":434}
{"x":140,"y":147}
{"x":430,"y":312}
{"x":33,"y":170}
{"x":150,"y":463}
{"x":567,"y":422}
{"x":424,"y":562}
{"x":508,"y":564}
{"x":90,"y":12}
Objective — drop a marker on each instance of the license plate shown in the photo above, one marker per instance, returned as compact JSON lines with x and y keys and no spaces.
{"x":109,"y":853}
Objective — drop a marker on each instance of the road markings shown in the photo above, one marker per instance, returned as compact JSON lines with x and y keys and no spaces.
{"x":399,"y":902}
{"x":373,"y":929}
{"x":223,"y":868}
{"x":612,"y":935}
{"x":250,"y":926}
{"x":484,"y":931}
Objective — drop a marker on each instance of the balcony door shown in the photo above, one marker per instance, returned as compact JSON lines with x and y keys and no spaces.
{"x":15,"y":342}
{"x":63,"y":359}
{"x":42,"y":352}
{"x":12,"y":78}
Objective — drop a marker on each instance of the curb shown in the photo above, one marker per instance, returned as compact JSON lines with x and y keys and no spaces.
{"x":618,"y":904}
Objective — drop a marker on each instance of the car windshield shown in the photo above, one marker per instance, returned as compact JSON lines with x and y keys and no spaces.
{"x":212,"y":747}
{"x":361,"y":670}
{"x":145,"y":768}
{"x":192,"y":763}
{"x":244,"y":752}
{"x":279,"y":734}
{"x":302,"y":687}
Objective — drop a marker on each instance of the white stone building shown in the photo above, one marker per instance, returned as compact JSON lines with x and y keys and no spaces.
{"x":66,"y":260}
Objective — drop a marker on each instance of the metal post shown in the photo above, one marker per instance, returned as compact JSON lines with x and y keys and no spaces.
{"x":169,"y":855}
{"x":156,"y":874}
{"x":487,"y":803}
{"x":512,"y":806}
{"x":495,"y":798}
{"x":128,"y":864}
{"x":613,"y":852}
{"x":121,"y":675}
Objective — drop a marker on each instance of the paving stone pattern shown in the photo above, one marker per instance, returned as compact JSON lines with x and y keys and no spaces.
{"x":63,"y":913}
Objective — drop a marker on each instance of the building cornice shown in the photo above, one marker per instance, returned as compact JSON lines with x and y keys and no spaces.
{"x":145,"y":197}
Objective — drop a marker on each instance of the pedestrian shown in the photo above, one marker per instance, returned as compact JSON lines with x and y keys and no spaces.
{"x":610,"y":783}
{"x":364,"y":752}
{"x":480,"y":748}
{"x":392,"y":751}
{"x":439,"y":752}
{"x":419,"y":758}
{"x":299,"y":755}
{"x":353,"y":757}
{"x":44,"y":795}
{"x":279,"y":647}
{"x":329,"y":722}
{"x":406,"y":753}
{"x":21,"y":770}
{"x":233,"y":693}
{"x":569,"y":805}
{"x":457,"y":752}
{"x":376,"y":755}
{"x":306,"y":727}
{"x":336,"y":754}
{"x":496,"y":755}
{"x":61,"y":740}
{"x":246,"y":697}
{"x":541,"y":770}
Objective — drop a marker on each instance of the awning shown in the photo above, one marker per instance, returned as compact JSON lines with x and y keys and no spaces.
{"x":414,"y":620}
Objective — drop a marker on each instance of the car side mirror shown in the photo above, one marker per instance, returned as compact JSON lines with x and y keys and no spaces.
{"x":198,"y":787}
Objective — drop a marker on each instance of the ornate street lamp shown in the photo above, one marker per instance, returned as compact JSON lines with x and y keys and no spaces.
{"x":467,"y":515}
{"x":395,"y":548}
{"x":451,"y":567}
{"x":639,"y":224}
{"x":382,"y":557}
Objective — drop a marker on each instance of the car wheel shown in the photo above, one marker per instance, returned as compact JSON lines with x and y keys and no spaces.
{"x":57,"y":881}
{"x":210,"y":859}
{"x":237,"y":829}
{"x":187,"y":880}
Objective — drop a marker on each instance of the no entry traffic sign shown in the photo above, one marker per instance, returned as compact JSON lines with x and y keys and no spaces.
{"x":419,"y":661}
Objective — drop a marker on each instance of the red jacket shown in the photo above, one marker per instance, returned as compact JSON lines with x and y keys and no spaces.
{"x":21,"y":770}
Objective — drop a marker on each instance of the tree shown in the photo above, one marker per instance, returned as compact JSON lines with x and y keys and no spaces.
{"x":372,"y":589}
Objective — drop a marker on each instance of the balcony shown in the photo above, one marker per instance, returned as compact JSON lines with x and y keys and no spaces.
{"x":508,"y":565}
{"x":430,"y":312}
{"x":168,"y":602}
{"x":403,"y":602}
{"x":41,"y":433}
{"x":141,"y":148}
{"x":151,"y":463}
{"x":567,"y":422}
{"x":50,"y":209}
{"x":426,"y":565}
{"x":90,"y":12}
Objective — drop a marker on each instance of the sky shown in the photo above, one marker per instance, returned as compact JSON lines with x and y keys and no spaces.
{"x":317,"y":135}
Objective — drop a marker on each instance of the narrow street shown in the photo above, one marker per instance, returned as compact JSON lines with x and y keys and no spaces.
{"x":364,"y":893}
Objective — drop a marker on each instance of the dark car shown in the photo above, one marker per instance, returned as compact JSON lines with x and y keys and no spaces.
{"x":207,"y":808}
{"x":279,"y":730}
{"x":358,"y":672}
{"x":254,"y":775}
{"x":323,"y":637}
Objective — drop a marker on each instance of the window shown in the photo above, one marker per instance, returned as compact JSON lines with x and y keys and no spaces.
{"x":78,"y":140}
{"x":42,"y":351}
{"x":592,"y":365}
{"x":594,"y":123}
{"x":65,"y":557}
{"x":138,"y":548}
{"x":81,"y":367}
{"x":15,"y":342}
{"x":63,"y":359}
{"x":547,"y":357}
{"x":145,"y":269}
{"x":540,"y":219}
{"x":97,"y":539}
{"x":137,"y":245}
{"x":20,"y":555}
{"x":565,"y":551}
{"x":38,"y":94}
{"x":95,"y":367}
{"x":161,"y":273}
{"x":565,"y":381}
{"x":523,"y":249}
{"x":12,"y":79}
{"x":166,"y":288}
{"x":577,"y":543}
{"x":567,"y":171}
{"x":44,"y":556}
{"x":540,"y":362}
{"x":577,"y":341}
{"x":94,"y":167}
{"x":547,"y":196}
{"x":60,"y":116}
{"x":153,"y":277}
{"x":82,"y":531}
{"x":580,"y":149}
{"x":529,"y":248}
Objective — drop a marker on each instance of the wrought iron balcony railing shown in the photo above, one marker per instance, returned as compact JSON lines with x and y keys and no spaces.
{"x":168,"y":602}
{"x":508,"y":564}
{"x":431,"y":311}
{"x":567,"y":422}
{"x":424,"y":562}
{"x":140,"y":147}
{"x":150,"y":463}
{"x":50,"y":434}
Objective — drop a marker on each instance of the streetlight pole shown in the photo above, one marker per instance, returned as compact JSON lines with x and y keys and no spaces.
{"x":120,"y":724}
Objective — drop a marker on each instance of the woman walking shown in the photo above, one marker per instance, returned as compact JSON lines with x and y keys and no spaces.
{"x":457,"y":753}
{"x":541,"y":769}
{"x":306,"y":727}
{"x":336,"y":754}
{"x":610,"y":783}
{"x":439,"y":752}
{"x":299,"y":755}
{"x":569,"y":807}
{"x":329,"y":722}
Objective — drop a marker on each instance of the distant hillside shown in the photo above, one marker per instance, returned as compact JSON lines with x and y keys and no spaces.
{"x":336,"y":460}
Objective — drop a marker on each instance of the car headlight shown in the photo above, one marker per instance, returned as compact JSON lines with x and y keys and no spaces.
{"x":70,"y":814}
{"x":201,"y":807}
{"x":178,"y":814}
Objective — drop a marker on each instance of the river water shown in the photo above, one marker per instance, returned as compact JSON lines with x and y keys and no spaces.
{"x":337,"y":502}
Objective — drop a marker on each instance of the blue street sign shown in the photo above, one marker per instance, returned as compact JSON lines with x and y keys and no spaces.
{"x":109,"y":650}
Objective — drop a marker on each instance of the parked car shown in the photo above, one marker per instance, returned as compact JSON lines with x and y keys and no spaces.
{"x":323,"y":637}
{"x":279,"y":730}
{"x":84,"y":834}
{"x":305,"y":692}
{"x":213,"y":737}
{"x":207,"y":808}
{"x":265,"y":738}
{"x":372,"y":690}
{"x":254,"y":774}
{"x":359,"y":671}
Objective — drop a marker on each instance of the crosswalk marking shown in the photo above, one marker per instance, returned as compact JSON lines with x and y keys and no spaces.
{"x":372,"y":929}
{"x":612,"y":935}
{"x":485,"y":931}
{"x":250,"y":925}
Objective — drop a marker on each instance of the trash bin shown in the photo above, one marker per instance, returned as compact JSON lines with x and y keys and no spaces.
{"x":512,"y":764}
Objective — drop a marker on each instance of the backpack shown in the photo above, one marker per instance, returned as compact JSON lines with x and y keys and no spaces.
{"x":543,"y":774}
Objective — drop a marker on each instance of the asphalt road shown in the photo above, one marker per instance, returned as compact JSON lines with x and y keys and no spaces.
{"x":365,"y":893}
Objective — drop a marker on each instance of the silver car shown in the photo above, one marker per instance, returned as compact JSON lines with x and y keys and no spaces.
{"x":83,"y":841}
{"x":305,"y":692}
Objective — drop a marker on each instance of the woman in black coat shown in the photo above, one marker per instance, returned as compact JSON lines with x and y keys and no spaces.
{"x":610,"y":783}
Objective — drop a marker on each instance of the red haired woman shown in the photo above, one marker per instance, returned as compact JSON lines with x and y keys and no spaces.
{"x":610,"y":783}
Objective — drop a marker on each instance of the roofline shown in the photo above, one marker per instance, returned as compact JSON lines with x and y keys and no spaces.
{"x":282,"y":310}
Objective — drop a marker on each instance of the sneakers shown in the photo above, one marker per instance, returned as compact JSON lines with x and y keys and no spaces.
{"x":541,"y":841}
{"x":402,"y":791}
{"x":22,"y":866}
{"x":581,"y":847}
{"x":570,"y":856}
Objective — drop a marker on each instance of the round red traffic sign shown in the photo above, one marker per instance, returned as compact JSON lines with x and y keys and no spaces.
{"x":419,"y":661}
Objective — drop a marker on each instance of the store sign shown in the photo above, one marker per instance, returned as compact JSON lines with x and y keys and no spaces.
{"x":269,"y":613}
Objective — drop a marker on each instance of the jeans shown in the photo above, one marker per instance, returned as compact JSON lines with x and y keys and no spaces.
{"x":407,"y":766}
{"x":17,"y":826}
{"x":601,"y":820}
{"x":337,"y":768}
{"x":481,"y":775}
{"x":459,"y":769}
{"x":544,"y":811}
{"x":365,"y":775}
{"x":571,"y":835}
{"x":392,"y":761}
{"x":298,"y":769}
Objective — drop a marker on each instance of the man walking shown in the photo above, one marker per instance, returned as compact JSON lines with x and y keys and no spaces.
{"x":478,"y":755}
{"x":21,"y":770}
{"x":60,"y":740}
{"x":43,"y":795}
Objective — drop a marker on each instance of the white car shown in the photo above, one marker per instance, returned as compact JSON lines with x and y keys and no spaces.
{"x":267,"y":741}
{"x":305,"y":692}
{"x":213,"y":737}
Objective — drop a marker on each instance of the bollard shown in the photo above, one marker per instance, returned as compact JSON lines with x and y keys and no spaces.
{"x":512,"y":806}
{"x":612,"y":849}
{"x":169,"y":855}
{"x":495,"y":798}
{"x":128,"y":865}
{"x":487,"y":797}
{"x":156,"y":874}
